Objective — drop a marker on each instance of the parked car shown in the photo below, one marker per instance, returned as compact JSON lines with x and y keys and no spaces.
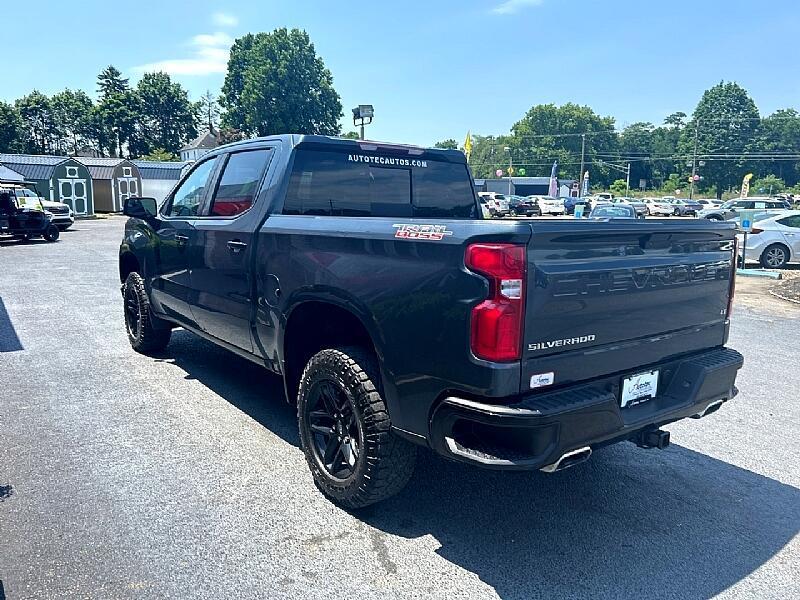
{"x":605,"y":196}
{"x":63,"y":218}
{"x":499,"y":203}
{"x":397,"y":321}
{"x":522,"y":206}
{"x":571,"y":202}
{"x":548,"y":205}
{"x":684,"y":208}
{"x":23,"y":216}
{"x":486,"y":206}
{"x":709,"y":203}
{"x":639,"y":206}
{"x":657,"y":207}
{"x":774,"y":240}
{"x":616,"y":210}
{"x":731,"y":208}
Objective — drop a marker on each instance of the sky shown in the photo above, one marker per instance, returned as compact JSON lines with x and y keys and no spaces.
{"x":434,"y":69}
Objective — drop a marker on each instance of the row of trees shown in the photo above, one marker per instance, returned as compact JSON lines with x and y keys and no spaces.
{"x":726,"y":132}
{"x":155,"y":117}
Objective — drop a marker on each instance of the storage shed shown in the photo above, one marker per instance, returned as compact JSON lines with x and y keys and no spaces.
{"x":7,"y":174}
{"x":57,"y":178}
{"x":114,"y":180}
{"x":159,"y":177}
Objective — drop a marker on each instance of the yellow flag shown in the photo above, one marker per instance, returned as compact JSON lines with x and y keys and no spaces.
{"x":746,"y":185}
{"x":467,"y":146}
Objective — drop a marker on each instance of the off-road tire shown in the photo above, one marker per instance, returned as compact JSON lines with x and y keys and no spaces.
{"x":150,"y":334}
{"x":386,"y":461}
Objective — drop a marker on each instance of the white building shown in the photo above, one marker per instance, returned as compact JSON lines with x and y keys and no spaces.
{"x":202,"y":144}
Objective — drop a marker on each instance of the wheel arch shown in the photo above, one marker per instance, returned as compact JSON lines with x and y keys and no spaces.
{"x":128,"y":263}
{"x":312,"y":325}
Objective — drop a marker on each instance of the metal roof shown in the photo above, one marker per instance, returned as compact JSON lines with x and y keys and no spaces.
{"x":32,"y":166}
{"x":99,"y":168}
{"x":7,"y":174}
{"x":151,"y":169}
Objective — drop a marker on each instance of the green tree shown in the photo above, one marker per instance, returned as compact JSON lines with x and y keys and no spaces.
{"x":72,"y":116}
{"x":110,"y":82}
{"x":117,"y":116}
{"x":769,"y":184}
{"x":11,"y":134}
{"x":351,"y":135}
{"x":726,"y":121}
{"x":208,"y":112}
{"x":165,"y":117}
{"x":488,"y":155}
{"x":780,"y":133}
{"x":636,"y":146}
{"x":548,"y":132}
{"x":618,"y":187}
{"x":37,"y":122}
{"x":448,"y":144}
{"x":276,"y":83}
{"x":159,"y":154}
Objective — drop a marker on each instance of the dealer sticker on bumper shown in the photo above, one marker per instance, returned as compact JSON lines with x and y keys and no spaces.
{"x":639,"y":388}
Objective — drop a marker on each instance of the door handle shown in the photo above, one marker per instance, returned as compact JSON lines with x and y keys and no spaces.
{"x":181,"y":239}
{"x":236,"y":246}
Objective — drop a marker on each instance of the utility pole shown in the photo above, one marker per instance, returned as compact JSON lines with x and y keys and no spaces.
{"x":510,"y":167}
{"x":628,"y":180}
{"x":694,"y":159}
{"x":583,"y":152}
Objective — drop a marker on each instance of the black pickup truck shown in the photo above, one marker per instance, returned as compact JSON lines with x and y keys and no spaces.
{"x":362,"y":273}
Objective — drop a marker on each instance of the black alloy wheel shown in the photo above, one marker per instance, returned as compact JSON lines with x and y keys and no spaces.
{"x":337,"y":436}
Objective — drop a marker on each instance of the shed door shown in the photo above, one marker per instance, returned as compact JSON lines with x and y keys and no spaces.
{"x":73,"y":193}
{"x":127,"y":187}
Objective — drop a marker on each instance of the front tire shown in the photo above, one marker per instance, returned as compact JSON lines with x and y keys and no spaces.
{"x":345,"y":432}
{"x":775,"y":256}
{"x":145,"y":333}
{"x":51,"y":233}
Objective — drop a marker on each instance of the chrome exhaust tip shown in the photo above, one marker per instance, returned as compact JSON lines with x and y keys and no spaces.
{"x":711,"y":408}
{"x":569,"y":459}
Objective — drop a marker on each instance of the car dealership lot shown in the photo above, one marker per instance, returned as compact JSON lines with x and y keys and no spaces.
{"x":180,"y":476}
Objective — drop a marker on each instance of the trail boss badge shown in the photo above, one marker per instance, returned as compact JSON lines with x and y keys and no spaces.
{"x":433,"y":233}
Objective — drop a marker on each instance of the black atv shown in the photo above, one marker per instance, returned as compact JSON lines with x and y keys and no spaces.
{"x":24,"y":217}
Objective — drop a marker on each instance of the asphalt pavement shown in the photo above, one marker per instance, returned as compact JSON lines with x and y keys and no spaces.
{"x":124,"y":476}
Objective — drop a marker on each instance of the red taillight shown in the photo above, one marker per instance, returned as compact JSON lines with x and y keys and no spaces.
{"x":496,"y":324}
{"x":734,"y":263}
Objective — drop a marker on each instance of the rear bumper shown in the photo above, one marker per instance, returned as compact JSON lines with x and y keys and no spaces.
{"x":537,"y":430}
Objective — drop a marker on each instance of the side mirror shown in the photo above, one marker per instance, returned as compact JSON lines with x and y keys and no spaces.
{"x":140,"y":208}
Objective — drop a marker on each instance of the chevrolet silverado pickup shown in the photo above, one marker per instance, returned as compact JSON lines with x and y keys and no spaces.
{"x":363,"y":274}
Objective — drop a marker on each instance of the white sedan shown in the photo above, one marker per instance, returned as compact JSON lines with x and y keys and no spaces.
{"x":549,"y":205}
{"x":774,"y":240}
{"x":656,"y":206}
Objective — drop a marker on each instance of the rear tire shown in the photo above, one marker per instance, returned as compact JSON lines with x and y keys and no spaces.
{"x":774,"y":257}
{"x":345,"y":432}
{"x":146,"y":333}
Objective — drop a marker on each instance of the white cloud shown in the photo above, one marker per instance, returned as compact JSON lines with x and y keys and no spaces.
{"x":511,"y":6}
{"x":210,"y":55}
{"x":221,"y":19}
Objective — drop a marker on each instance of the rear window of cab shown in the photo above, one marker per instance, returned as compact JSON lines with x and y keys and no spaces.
{"x":345,"y":184}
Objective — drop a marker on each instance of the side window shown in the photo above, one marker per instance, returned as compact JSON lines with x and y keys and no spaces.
{"x":793,"y":221}
{"x":239,"y":183}
{"x":188,"y":197}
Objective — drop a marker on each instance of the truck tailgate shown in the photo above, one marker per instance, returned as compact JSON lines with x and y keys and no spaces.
{"x":611,"y":296}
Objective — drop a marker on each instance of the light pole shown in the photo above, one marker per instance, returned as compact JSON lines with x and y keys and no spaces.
{"x":622,"y":169}
{"x":361,"y":113}
{"x":694,"y":159}
{"x":510,"y":168}
{"x":583,"y":152}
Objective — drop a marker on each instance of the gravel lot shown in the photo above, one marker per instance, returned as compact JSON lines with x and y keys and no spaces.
{"x":123,"y":476}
